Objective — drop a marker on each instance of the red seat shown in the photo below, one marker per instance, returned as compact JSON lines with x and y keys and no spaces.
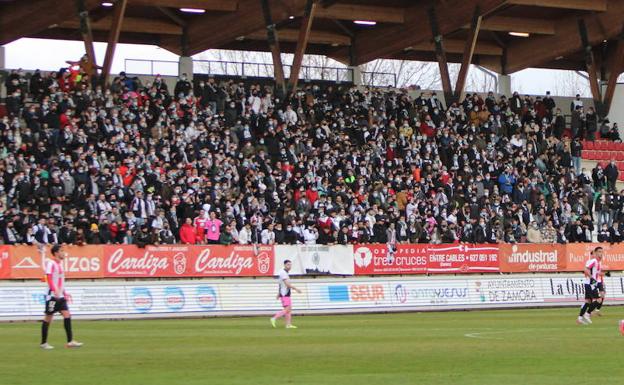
{"x":591,"y":154}
{"x":619,"y":155}
{"x":587,"y":145}
{"x":620,"y":166}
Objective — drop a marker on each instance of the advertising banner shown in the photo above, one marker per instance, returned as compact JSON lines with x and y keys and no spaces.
{"x":425,"y":259}
{"x":188,"y":261}
{"x":348,"y":294}
{"x":28,"y":262}
{"x":462,"y":258}
{"x":430,"y":293}
{"x":5,"y":263}
{"x":315,"y":259}
{"x":508,"y":290}
{"x":253,"y":296}
{"x":578,"y":253}
{"x":377,"y":259}
{"x":531,"y":258}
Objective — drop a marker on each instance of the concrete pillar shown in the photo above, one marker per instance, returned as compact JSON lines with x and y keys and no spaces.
{"x":2,"y":57}
{"x":357,"y":75}
{"x":616,"y":113}
{"x":185,"y":66}
{"x":2,"y":67}
{"x":504,"y":85}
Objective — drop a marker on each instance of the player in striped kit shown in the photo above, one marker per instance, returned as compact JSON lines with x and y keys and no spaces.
{"x":56,"y":301}
{"x":593,"y":272}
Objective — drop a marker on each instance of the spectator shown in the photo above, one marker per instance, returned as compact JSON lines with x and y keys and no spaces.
{"x":187,"y":233}
{"x":533,"y":233}
{"x":225,"y":238}
{"x":611,"y":173}
{"x":213,"y":228}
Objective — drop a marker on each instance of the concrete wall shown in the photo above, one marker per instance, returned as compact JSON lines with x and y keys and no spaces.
{"x":616,"y":114}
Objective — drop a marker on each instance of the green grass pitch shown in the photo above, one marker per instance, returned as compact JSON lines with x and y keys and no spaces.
{"x":538,"y":346}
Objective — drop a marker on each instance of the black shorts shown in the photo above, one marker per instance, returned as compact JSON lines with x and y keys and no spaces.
{"x":600,"y":286}
{"x":54,"y":305}
{"x":590,"y":293}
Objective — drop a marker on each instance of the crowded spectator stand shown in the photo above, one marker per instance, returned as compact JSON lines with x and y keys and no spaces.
{"x":227,"y":162}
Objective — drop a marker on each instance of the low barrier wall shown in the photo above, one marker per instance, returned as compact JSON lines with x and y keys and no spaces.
{"x":210,"y":297}
{"x":183,"y":261}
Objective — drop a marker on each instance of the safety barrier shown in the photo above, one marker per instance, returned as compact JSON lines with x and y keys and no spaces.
{"x":183,"y":261}
{"x":245,"y":296}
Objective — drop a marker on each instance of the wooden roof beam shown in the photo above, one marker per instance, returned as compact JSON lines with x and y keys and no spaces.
{"x":208,"y":5}
{"x":24,"y":18}
{"x":316,"y":37}
{"x":216,"y":30}
{"x":352,"y":12}
{"x":302,"y":43}
{"x":457,"y":46}
{"x":469,"y":49}
{"x":382,"y":41}
{"x":517,"y":24}
{"x":130,"y":24}
{"x":539,"y":50}
{"x":581,"y":5}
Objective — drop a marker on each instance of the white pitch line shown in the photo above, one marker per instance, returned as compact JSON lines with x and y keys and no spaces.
{"x":483,"y":335}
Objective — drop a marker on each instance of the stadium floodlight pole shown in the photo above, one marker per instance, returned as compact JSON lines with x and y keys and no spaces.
{"x":278,"y":68}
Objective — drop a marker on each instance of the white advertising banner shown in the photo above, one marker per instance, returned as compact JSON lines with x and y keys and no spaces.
{"x":247,"y":296}
{"x":315,"y":259}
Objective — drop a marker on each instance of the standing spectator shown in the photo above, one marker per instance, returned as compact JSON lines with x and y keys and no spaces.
{"x":187,"y":232}
{"x":183,"y":87}
{"x":611,"y":173}
{"x":213,"y":228}
{"x":576,"y":149}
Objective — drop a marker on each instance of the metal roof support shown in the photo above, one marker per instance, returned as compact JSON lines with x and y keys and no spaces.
{"x":113,"y":38}
{"x":471,"y":42}
{"x":440,"y":54}
{"x":302,"y":43}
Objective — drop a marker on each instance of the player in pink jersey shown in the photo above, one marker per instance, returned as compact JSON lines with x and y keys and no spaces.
{"x":284,"y":296}
{"x":56,"y":301}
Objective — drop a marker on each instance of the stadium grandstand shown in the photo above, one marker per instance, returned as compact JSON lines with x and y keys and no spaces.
{"x":91,"y":157}
{"x":94,"y":158}
{"x":186,"y":194}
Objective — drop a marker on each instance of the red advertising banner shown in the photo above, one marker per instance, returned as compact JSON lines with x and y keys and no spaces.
{"x":531,"y":258}
{"x":462,"y":258}
{"x":188,"y":261}
{"x":577,"y":255}
{"x":425,"y":259}
{"x":5,"y":260}
{"x":28,"y":262}
{"x":374,"y":259}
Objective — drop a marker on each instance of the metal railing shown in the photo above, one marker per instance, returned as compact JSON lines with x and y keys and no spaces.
{"x":379,"y":79}
{"x":151,"y":67}
{"x":265,"y":70}
{"x":258,"y":70}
